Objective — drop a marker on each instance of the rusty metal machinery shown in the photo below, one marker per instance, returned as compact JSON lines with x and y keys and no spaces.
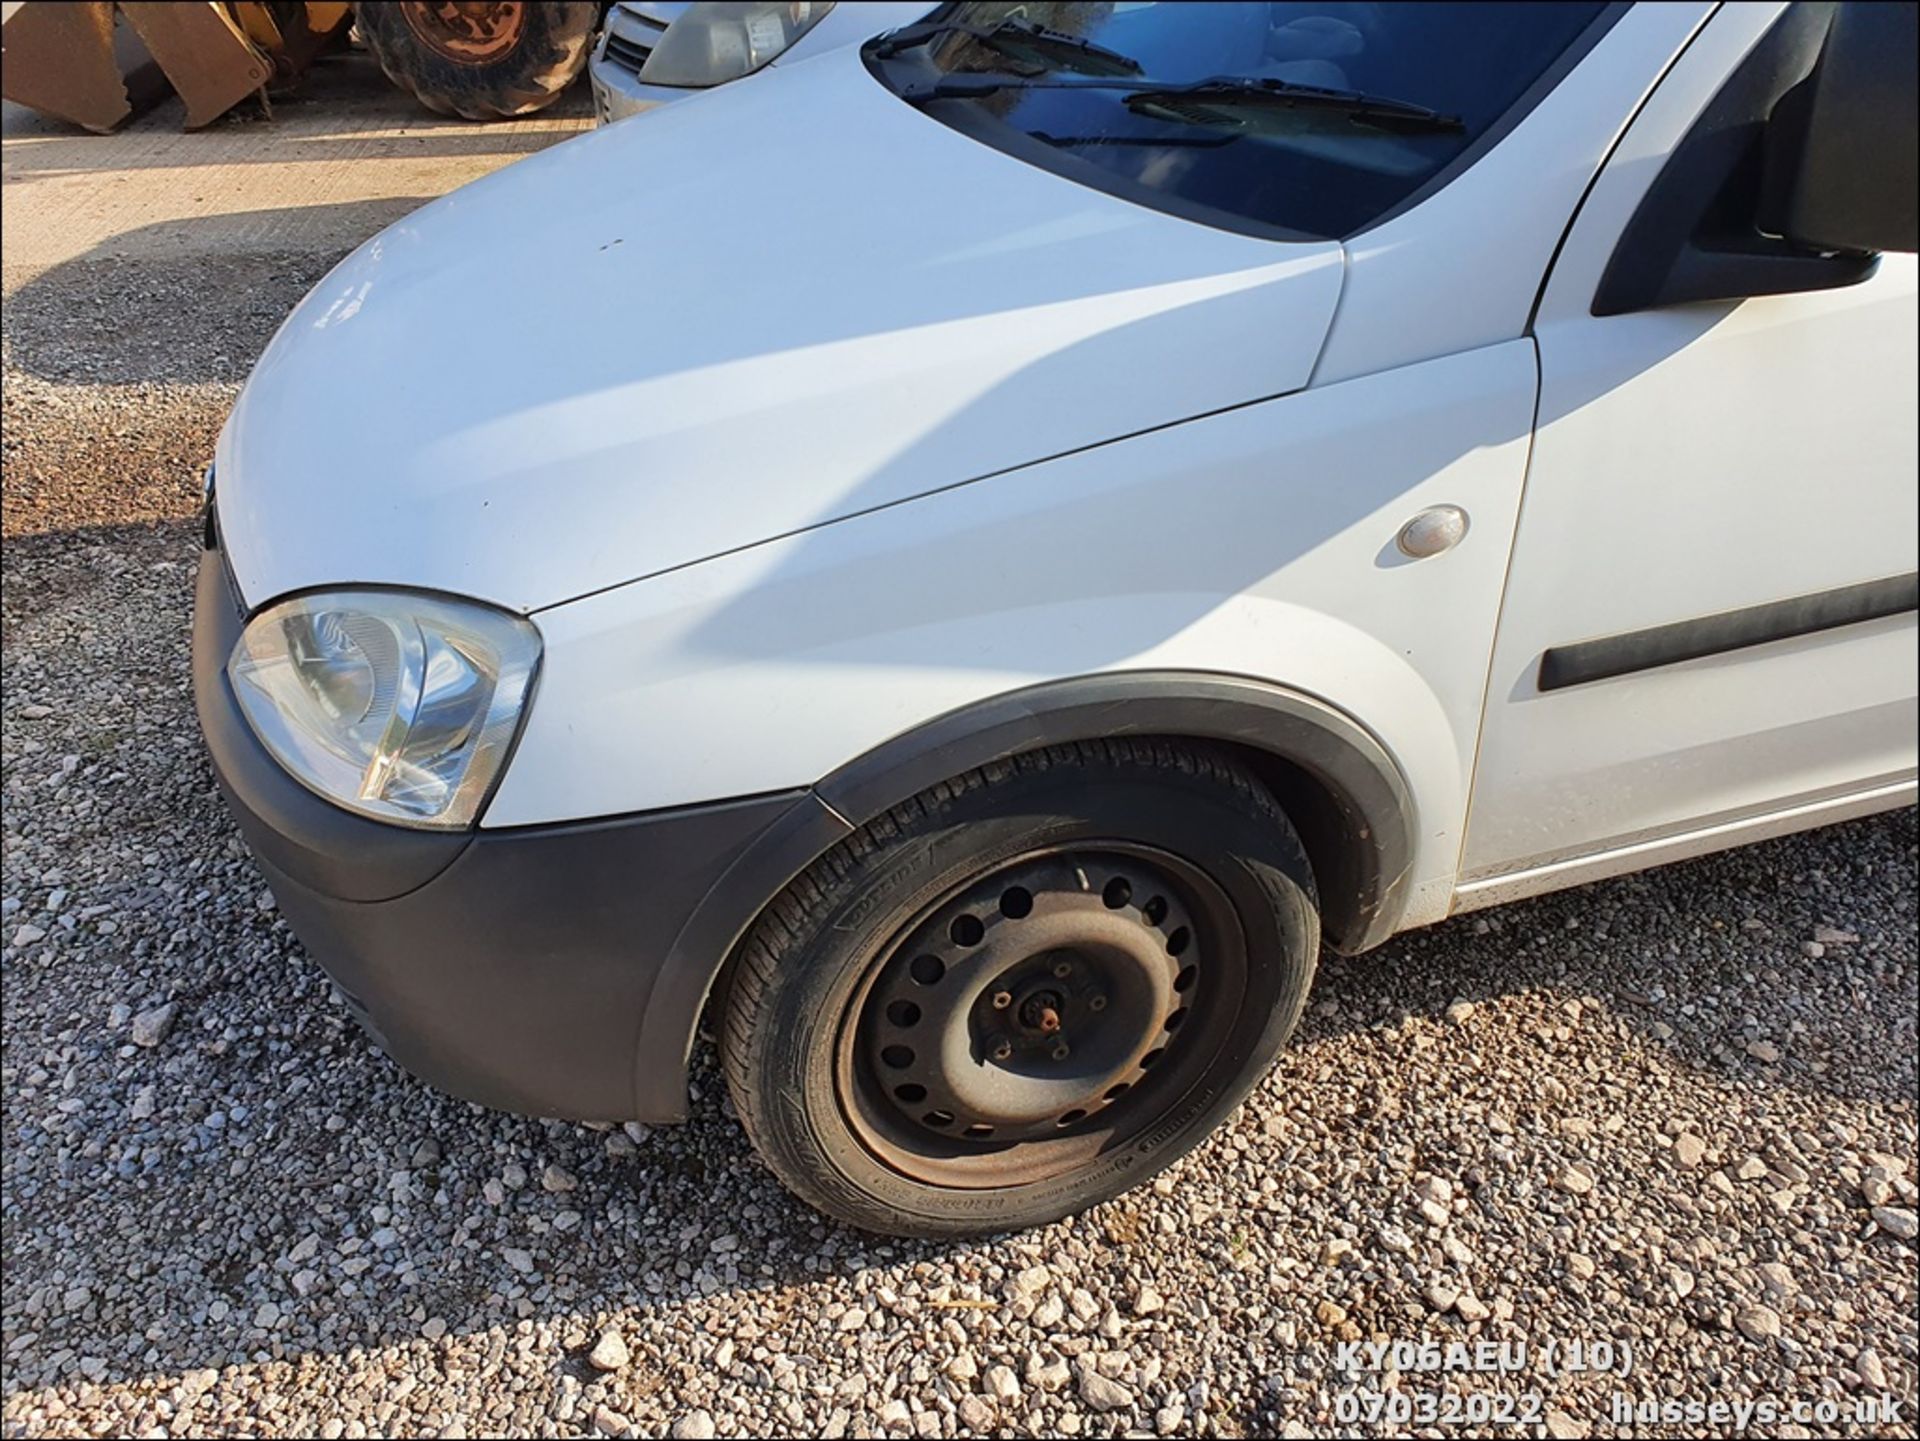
{"x":96,"y":63}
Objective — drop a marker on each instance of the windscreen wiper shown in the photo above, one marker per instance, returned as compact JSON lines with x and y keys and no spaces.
{"x":1024,"y":43}
{"x":1226,"y":102}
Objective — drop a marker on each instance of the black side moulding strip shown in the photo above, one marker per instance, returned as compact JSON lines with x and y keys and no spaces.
{"x":1617,"y":655}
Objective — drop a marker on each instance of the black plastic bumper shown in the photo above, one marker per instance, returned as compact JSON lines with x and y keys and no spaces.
{"x":513,"y":968}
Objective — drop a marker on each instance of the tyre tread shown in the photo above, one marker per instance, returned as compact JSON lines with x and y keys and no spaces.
{"x":791,"y":917}
{"x":556,"y":47}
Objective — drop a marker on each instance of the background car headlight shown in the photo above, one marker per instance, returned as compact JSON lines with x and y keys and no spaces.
{"x":398,"y":706}
{"x":714,"y":41}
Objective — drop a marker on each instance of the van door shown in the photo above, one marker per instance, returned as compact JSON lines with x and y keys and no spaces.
{"x":1708,"y":632}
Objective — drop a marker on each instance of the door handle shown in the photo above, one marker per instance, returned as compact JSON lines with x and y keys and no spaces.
{"x":1435,"y":529}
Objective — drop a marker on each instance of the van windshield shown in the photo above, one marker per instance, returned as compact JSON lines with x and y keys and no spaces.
{"x":1288,"y":120}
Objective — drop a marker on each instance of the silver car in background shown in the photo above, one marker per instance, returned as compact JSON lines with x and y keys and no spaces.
{"x":654,"y":51}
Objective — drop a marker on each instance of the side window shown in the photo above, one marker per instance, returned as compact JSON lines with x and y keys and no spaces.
{"x":1725,"y":218}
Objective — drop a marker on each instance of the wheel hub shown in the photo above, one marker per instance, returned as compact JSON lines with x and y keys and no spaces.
{"x":1034,"y":1001}
{"x":1041,"y":1011}
{"x":470,"y":32}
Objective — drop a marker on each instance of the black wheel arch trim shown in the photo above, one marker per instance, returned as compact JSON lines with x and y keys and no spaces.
{"x":1287,"y":726}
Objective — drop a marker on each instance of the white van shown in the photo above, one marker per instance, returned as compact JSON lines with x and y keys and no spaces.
{"x":1017,"y":532}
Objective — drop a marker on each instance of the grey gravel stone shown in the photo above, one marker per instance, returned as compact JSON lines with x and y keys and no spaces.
{"x":1050,"y":1375}
{"x":1394,"y":1239}
{"x":976,"y":1414}
{"x":1574,"y":1181}
{"x":1897,"y":1221}
{"x":609,"y":1352}
{"x":1758,"y":1323}
{"x":1101,"y":1393}
{"x":150,"y":1027}
{"x":1471,"y":1308}
{"x":1437,"y":1189}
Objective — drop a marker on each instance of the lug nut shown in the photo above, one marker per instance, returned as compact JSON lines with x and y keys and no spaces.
{"x":1002,"y":1051}
{"x":1002,"y":999}
{"x":1097,"y":1003}
{"x":1063,"y":970}
{"x":1060,"y":1051}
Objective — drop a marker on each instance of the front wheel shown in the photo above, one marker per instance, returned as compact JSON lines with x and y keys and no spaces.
{"x":1024,"y":991}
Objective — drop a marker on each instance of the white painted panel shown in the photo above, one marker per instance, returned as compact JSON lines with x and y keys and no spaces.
{"x":769,"y":306}
{"x":1692,"y":460}
{"x":1258,"y":542}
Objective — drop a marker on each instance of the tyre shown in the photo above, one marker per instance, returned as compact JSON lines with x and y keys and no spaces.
{"x":1024,"y":991}
{"x":481,"y":61}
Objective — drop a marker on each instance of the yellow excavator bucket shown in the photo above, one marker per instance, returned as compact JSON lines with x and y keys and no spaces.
{"x":95,"y":63}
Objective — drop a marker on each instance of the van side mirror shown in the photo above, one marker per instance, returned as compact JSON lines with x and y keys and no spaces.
{"x":1842,"y":148}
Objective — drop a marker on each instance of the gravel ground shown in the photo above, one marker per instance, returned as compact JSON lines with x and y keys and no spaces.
{"x":1674,"y":1112}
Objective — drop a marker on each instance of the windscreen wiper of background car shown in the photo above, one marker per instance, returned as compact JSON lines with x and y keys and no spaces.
{"x":1226,"y":102}
{"x":1022,"y":42}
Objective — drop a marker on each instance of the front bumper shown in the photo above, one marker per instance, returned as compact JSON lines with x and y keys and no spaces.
{"x":513,"y":968}
{"x":626,"y":40}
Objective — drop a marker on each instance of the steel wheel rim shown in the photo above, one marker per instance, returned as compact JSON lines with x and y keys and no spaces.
{"x":468,"y":32}
{"x":948,"y":1063}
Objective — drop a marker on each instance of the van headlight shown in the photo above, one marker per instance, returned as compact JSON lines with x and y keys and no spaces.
{"x":401,"y":707}
{"x":713,"y":42}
